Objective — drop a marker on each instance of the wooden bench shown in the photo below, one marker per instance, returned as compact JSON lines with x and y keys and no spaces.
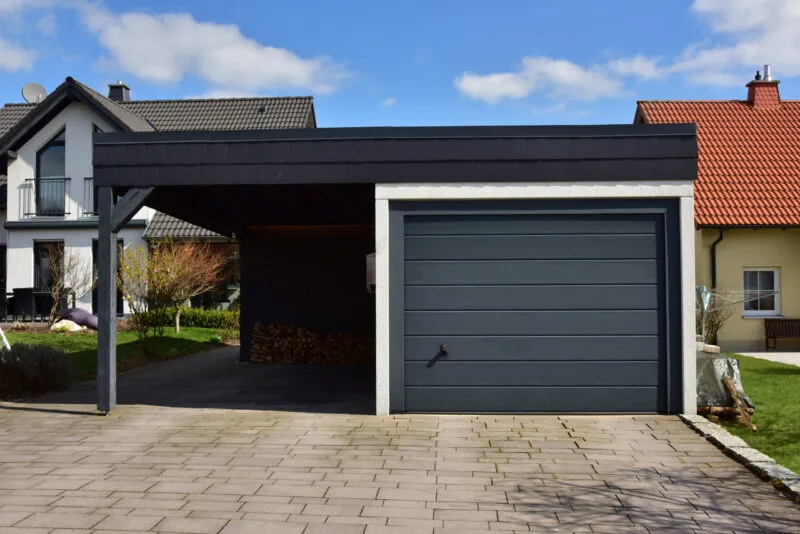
{"x":780,"y":329}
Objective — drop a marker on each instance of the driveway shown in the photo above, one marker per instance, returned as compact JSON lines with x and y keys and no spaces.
{"x":176,"y":466}
{"x":791,"y":358}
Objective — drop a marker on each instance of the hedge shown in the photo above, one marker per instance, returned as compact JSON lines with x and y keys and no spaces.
{"x":197,"y":317}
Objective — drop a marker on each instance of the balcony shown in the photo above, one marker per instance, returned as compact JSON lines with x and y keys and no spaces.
{"x":46,"y":197}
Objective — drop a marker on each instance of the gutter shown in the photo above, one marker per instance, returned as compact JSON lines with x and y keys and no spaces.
{"x":714,"y":258}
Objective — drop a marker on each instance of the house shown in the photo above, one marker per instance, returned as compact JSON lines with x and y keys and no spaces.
{"x":517,"y":268}
{"x":46,"y":167}
{"x":747,"y":203}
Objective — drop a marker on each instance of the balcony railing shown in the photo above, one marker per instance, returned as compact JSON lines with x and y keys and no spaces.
{"x":46,"y":197}
{"x":89,"y":198}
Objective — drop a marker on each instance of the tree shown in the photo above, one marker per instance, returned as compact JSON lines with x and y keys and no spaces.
{"x":133,"y":277}
{"x":181,"y":271}
{"x":71,"y":278}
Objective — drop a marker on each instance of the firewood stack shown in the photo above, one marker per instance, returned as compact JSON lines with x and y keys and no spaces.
{"x":282,"y":344}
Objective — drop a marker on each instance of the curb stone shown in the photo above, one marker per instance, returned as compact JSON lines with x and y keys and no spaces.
{"x":756,"y":461}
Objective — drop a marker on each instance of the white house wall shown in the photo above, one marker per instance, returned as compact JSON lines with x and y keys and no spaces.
{"x":20,"y":269}
{"x":78,"y":121}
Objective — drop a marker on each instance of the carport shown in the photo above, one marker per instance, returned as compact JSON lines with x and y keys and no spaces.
{"x":518,"y":269}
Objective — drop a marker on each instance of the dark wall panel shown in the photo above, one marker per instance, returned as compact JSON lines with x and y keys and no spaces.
{"x":495,"y":372}
{"x":499,"y":272}
{"x":523,"y":323}
{"x":533,"y":348}
{"x":317,"y":282}
{"x":531,"y":247}
{"x":532,"y":298}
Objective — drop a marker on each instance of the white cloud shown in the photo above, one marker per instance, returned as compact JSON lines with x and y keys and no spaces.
{"x":558,"y":79}
{"x":225,"y":93}
{"x":745,"y":34}
{"x":640,"y":66}
{"x":493,"y":88}
{"x":47,"y":23}
{"x":14,"y":57}
{"x":167,"y":47}
{"x":388,"y":102}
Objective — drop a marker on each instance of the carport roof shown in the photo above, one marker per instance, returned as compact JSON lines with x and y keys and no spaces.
{"x":398,"y":154}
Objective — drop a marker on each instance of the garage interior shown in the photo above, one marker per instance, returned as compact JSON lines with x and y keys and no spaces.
{"x":550,"y":304}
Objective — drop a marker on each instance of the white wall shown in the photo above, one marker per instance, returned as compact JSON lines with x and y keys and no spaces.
{"x":78,"y":122}
{"x":388,"y":192}
{"x":20,"y":253}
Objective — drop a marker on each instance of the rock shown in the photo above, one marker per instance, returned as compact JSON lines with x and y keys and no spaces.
{"x":65,"y":326}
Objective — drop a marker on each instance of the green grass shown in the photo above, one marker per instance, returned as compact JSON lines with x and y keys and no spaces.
{"x":774,"y":388}
{"x":83,"y":346}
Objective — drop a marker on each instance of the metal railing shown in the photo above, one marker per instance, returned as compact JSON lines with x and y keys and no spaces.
{"x":46,"y":197}
{"x":89,"y":198}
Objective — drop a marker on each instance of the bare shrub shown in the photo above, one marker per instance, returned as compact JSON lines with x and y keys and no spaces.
{"x":718,"y":310}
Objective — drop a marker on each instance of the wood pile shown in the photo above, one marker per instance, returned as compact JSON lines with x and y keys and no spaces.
{"x":283,"y":344}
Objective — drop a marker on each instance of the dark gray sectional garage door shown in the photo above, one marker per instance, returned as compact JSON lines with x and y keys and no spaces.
{"x":534,"y":313}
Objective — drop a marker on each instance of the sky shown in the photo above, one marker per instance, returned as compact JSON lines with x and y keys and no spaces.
{"x":409,"y":62}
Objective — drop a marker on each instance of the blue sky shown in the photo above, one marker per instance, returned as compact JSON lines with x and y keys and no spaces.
{"x":409,"y":62}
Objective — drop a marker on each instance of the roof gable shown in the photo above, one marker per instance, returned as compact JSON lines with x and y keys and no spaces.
{"x":66,"y":93}
{"x":748,"y":163}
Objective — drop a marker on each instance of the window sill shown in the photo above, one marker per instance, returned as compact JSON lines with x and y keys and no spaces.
{"x":764,"y":316}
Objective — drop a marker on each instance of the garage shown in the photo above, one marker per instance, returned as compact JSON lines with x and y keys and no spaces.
{"x":517,"y":269}
{"x":537,"y":307}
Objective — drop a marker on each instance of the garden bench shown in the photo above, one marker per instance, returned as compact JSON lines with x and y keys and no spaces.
{"x":780,"y":329}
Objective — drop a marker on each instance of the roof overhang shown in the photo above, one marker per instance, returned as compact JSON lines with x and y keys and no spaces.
{"x":397,"y":155}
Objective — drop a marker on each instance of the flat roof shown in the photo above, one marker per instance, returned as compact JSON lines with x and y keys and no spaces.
{"x":398,"y":154}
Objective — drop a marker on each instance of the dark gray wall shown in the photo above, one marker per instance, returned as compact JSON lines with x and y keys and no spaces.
{"x":312,"y":281}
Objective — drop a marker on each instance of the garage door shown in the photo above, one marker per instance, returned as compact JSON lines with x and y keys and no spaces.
{"x":534,"y":313}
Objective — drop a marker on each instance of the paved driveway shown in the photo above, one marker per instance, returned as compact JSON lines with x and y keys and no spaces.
{"x":183,"y":468}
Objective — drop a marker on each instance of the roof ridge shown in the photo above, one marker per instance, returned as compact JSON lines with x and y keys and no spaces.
{"x":709,"y":101}
{"x":304,"y":97}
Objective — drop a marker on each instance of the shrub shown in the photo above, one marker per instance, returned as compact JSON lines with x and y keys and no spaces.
{"x":216,"y":339}
{"x":33,"y":369}
{"x":196,"y":317}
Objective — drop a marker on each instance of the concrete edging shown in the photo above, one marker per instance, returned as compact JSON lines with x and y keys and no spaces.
{"x":756,"y":461}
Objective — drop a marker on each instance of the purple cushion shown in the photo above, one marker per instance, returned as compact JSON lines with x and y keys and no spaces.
{"x":81,"y":317}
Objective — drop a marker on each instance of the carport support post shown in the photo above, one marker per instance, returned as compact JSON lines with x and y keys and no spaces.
{"x":107,"y":300}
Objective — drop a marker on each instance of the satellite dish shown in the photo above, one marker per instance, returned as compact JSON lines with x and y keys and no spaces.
{"x":33,"y":93}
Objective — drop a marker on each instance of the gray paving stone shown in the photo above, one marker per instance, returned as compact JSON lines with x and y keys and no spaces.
{"x":155,"y":467}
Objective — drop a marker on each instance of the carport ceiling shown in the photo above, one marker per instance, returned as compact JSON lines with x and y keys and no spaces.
{"x":212,"y":178}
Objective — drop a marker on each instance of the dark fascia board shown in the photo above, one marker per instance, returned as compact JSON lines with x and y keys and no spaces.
{"x":66,"y":93}
{"x":89,"y":222}
{"x":400,"y":132}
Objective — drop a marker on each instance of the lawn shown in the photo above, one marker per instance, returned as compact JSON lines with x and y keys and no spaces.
{"x":83,"y":345}
{"x":775,"y":390}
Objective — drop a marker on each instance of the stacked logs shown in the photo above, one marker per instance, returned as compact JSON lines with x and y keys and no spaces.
{"x":283,"y":344}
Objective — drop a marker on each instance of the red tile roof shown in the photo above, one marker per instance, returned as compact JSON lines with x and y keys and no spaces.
{"x":749,"y":161}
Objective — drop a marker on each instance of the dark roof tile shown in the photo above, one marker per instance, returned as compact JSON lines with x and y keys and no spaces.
{"x":163,"y":226}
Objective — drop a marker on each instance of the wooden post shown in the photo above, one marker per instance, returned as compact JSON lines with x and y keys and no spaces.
{"x":107,"y":300}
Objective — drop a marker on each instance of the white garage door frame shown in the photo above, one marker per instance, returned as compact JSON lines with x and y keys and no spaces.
{"x":384,"y":193}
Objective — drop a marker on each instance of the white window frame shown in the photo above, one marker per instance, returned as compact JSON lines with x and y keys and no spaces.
{"x":777,"y":277}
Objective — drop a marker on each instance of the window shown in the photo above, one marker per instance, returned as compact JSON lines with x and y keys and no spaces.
{"x":762,"y":292}
{"x":43,"y":269}
{"x":50,"y":177}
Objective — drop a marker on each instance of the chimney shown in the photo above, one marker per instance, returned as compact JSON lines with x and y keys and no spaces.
{"x":119,"y":92}
{"x":763,"y":92}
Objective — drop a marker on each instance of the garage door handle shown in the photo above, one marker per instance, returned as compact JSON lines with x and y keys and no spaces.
{"x":443,"y":349}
